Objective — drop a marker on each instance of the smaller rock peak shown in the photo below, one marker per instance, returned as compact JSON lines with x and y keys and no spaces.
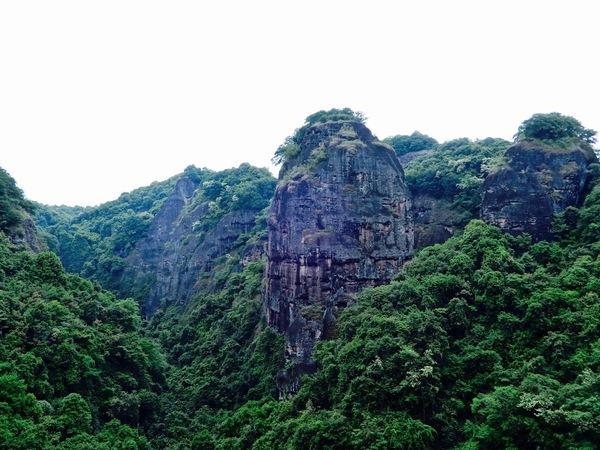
{"x":539,"y":180}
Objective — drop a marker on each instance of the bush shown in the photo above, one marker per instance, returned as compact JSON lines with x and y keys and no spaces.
{"x":554,"y":126}
{"x":410,"y":143}
{"x":290,"y":148}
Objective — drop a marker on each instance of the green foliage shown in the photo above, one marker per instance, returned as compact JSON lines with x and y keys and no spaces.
{"x":89,"y":239}
{"x":68,"y":352}
{"x":554,"y":127}
{"x":12,"y":202}
{"x":290,"y":148}
{"x":414,"y":142}
{"x":94,"y":242}
{"x":222,"y":354}
{"x":455,"y":171}
{"x":245,"y":188}
{"x":335,"y":114}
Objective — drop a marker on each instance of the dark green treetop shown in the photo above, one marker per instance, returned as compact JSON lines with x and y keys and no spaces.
{"x":554,"y":126}
{"x":408,"y":143}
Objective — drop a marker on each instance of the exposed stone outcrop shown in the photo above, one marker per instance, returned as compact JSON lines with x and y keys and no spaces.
{"x":166,"y":266}
{"x":407,"y":158}
{"x":536,"y":183}
{"x":25,"y":236}
{"x":435,"y":220}
{"x":340,"y":220}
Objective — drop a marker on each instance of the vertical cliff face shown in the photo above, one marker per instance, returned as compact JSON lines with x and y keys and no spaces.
{"x":435,"y":220}
{"x":340,"y":220}
{"x":536,"y":183}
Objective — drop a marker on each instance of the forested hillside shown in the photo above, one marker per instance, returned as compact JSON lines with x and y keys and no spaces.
{"x":159,"y":243}
{"x":198,"y":313}
{"x":75,"y":369}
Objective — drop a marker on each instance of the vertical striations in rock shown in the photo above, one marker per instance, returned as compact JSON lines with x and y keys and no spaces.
{"x":536,"y":183}
{"x":340,"y":220}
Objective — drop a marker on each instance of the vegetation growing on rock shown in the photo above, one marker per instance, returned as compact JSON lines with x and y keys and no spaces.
{"x":555,"y":127}
{"x":415,"y":142}
{"x":486,"y":340}
{"x":290,"y":148}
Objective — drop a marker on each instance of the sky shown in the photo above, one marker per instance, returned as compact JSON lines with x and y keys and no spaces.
{"x":98,"y":98}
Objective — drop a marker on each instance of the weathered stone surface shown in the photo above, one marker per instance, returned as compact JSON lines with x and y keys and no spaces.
{"x":340,"y":220}
{"x":535,"y":184}
{"x":168,"y":262}
{"x":407,"y":158}
{"x":25,"y":236}
{"x":435,"y":220}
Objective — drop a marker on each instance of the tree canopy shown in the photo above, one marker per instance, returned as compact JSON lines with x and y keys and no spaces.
{"x":12,"y":202}
{"x":554,"y":126}
{"x":410,"y":143}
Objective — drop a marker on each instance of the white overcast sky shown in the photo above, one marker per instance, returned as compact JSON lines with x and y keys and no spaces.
{"x":100,"y":97}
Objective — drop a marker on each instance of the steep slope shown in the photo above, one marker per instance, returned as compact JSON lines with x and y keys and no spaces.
{"x":75,"y":369}
{"x":160,"y":243}
{"x":445,"y":183}
{"x":538,"y":181}
{"x":16,"y":221}
{"x":340,"y":220}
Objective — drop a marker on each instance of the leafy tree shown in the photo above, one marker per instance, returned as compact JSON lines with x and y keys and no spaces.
{"x":12,"y":202}
{"x":554,"y":126}
{"x":414,"y":142}
{"x":68,"y":352}
{"x":455,"y":171}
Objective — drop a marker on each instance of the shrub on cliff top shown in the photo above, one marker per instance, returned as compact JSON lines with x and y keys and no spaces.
{"x":335,"y":114}
{"x":414,"y":142}
{"x":289,"y":148}
{"x":554,"y":126}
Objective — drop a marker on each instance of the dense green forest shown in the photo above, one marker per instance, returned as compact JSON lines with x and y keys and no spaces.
{"x":75,"y":368}
{"x":484,"y":341}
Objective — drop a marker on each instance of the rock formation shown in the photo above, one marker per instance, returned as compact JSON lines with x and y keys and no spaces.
{"x":166,"y":266}
{"x":340,"y":220}
{"x":536,"y":183}
{"x":25,"y":236}
{"x":435,"y":219}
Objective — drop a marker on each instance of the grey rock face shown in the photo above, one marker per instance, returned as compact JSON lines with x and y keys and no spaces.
{"x":340,"y":220}
{"x":166,"y":265}
{"x":536,"y":183}
{"x":24,"y":236}
{"x":435,"y":220}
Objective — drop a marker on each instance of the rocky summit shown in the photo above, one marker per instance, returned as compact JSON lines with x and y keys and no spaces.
{"x":537,"y":182}
{"x":340,"y":220}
